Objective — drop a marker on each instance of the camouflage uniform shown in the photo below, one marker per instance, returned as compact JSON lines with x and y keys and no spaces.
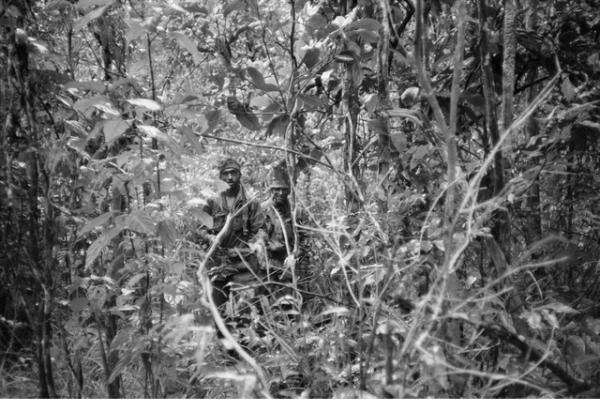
{"x":276,"y":242}
{"x":278,"y":227}
{"x":225,"y":265}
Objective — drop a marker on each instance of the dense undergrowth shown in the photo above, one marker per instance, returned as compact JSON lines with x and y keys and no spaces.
{"x":443,"y":158}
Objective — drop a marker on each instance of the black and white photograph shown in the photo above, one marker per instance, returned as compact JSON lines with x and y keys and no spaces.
{"x":298,"y":199}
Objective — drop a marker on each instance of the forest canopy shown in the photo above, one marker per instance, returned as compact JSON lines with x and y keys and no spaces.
{"x":439,"y":162}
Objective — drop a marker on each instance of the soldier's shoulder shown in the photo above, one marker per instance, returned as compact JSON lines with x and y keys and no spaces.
{"x":266,"y":204}
{"x":214,"y":203}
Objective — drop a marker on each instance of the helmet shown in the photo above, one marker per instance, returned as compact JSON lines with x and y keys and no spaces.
{"x":279,"y":178}
{"x":229,"y":164}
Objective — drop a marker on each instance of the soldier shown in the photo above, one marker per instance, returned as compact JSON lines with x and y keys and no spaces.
{"x":233,"y":257}
{"x":279,"y":232}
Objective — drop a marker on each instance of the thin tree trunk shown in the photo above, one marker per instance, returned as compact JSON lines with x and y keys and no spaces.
{"x":387,"y":152}
{"x":39,"y":264}
{"x":502,"y":224}
{"x":508,"y":64}
{"x":453,"y":287}
{"x":495,"y":178}
{"x":533,"y":228}
{"x":351,"y":108}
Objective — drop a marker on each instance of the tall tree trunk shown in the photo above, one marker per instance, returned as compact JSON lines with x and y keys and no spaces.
{"x":39,"y":263}
{"x":501,"y":227}
{"x":495,"y":178}
{"x":533,"y":228}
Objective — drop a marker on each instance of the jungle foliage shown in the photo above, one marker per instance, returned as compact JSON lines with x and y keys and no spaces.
{"x":444,"y":153}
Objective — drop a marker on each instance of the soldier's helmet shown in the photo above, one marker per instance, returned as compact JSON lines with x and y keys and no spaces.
{"x":229,"y":164}
{"x":279,"y":179}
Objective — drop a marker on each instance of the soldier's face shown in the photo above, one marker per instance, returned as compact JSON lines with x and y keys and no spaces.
{"x":231,"y":177}
{"x":279,"y":195}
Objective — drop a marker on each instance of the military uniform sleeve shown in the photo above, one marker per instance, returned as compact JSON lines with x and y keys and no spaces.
{"x":256,"y":220}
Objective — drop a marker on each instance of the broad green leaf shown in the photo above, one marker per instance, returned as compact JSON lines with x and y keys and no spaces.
{"x":370,"y":101}
{"x":195,"y":202}
{"x":148,"y":104}
{"x":97,"y":296}
{"x":190,"y":137}
{"x":114,"y":128}
{"x":311,"y":103}
{"x":365,"y":23}
{"x":259,"y":81}
{"x":167,"y":232}
{"x":65,"y":101}
{"x":95,"y":249}
{"x":76,"y":127}
{"x":128,"y":157}
{"x":95,"y":222}
{"x":212,"y":116}
{"x":89,"y":17}
{"x":273,"y":107}
{"x":186,"y":98}
{"x":153,"y":132}
{"x":243,"y":114}
{"x":140,"y":221}
{"x":261,"y":102}
{"x":315,"y":22}
{"x":311,"y":57}
{"x":186,"y":43}
{"x":107,"y":108}
{"x":135,"y":279}
{"x":86,"y":104}
{"x":78,"y":144}
{"x":278,"y":125}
